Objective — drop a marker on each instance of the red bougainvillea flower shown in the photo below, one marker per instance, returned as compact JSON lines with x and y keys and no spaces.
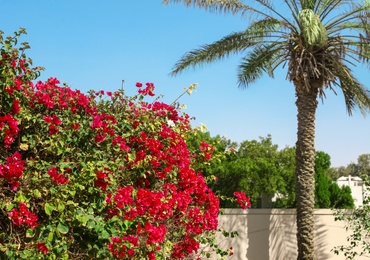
{"x":207,"y":150}
{"x":42,"y":247}
{"x":102,"y":180}
{"x":12,"y":170}
{"x":242,"y":200}
{"x":75,"y":126}
{"x":123,"y":197}
{"x":120,"y":249}
{"x":11,"y":129}
{"x":16,"y":107}
{"x":57,"y":177}
{"x":151,"y":255}
{"x":155,"y":234}
{"x":146,"y":91}
{"x":22,"y":215}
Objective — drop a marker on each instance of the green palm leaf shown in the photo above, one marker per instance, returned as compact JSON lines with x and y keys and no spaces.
{"x":259,"y":61}
{"x":256,"y":34}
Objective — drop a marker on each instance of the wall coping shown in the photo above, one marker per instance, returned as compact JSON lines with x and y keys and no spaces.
{"x":230,"y":211}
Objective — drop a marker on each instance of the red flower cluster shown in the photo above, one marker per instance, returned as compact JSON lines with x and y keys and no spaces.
{"x":242,"y":200}
{"x":57,"y":177}
{"x":42,"y":247}
{"x":52,"y":96}
{"x":120,"y":247}
{"x":123,"y":197}
{"x":146,"y":91}
{"x":53,"y":122}
{"x":184,"y":248}
{"x":12,"y":170}
{"x":187,"y":203}
{"x":9,"y":125}
{"x":207,"y":150}
{"x":102,"y":179}
{"x":104,"y":124}
{"x":18,"y":81}
{"x":22,"y":216}
{"x":155,"y":234}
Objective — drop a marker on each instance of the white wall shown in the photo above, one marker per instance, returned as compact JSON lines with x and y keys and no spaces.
{"x":270,"y":234}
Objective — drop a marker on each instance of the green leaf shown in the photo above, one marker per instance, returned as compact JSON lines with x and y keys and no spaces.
{"x":49,"y":208}
{"x":62,"y":228}
{"x":105,"y":235}
{"x":20,"y":198}
{"x":30,"y":233}
{"x":37,"y":193}
{"x":27,"y":253}
{"x":82,"y":219}
{"x":61,"y":206}
{"x":10,"y":207}
{"x":126,"y":223}
{"x":51,"y":236}
{"x":91,"y":224}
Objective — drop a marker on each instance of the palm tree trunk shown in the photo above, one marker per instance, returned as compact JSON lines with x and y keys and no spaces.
{"x":305,"y":168}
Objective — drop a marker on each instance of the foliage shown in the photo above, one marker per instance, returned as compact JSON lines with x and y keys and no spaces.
{"x":96,"y":176}
{"x":322,"y":183}
{"x":322,"y":192}
{"x":260,"y":168}
{"x":255,"y":167}
{"x":340,"y":197}
{"x":360,"y":168}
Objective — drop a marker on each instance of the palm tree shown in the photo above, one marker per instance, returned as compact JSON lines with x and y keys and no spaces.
{"x":319,"y":41}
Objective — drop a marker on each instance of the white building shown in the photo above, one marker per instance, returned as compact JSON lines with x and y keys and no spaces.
{"x":357,"y":187}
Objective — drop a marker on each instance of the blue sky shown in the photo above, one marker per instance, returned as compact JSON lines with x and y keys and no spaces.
{"x":92,"y":44}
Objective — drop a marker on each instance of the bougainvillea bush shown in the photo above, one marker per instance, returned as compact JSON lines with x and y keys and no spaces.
{"x":98,"y":175}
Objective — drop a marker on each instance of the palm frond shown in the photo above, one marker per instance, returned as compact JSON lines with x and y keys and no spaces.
{"x":258,"y":62}
{"x":219,"y":6}
{"x":257,"y":33}
{"x":293,"y":7}
{"x":354,"y":14}
{"x":359,"y":47}
{"x":269,"y":6}
{"x":355,"y":94}
{"x":318,"y":44}
{"x":325,"y":7}
{"x":308,"y":4}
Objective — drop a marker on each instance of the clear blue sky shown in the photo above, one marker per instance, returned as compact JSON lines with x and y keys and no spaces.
{"x":94,"y":44}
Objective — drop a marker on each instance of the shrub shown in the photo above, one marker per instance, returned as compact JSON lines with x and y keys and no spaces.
{"x":93,"y":176}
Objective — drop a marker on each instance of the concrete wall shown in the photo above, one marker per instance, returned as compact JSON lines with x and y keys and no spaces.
{"x":270,"y":234}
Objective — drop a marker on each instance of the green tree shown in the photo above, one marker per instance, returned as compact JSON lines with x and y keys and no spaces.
{"x":319,"y":41}
{"x":257,"y":168}
{"x":322,"y":192}
{"x":361,"y":168}
{"x":322,"y":183}
{"x":286,"y":160}
{"x":363,"y":164}
{"x":341,"y":197}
